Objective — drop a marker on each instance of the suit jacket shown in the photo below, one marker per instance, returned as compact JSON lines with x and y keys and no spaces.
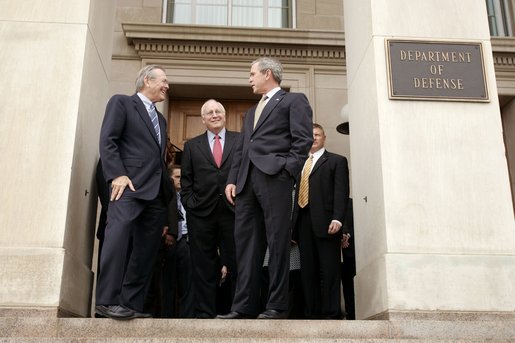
{"x":202,"y":182}
{"x":173,"y":218}
{"x":348,"y":227}
{"x":280,"y":141}
{"x":103,"y":196}
{"x":129,"y":146}
{"x":328,"y":192}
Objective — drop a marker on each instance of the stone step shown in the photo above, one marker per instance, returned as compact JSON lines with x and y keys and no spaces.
{"x":234,"y":340}
{"x":91,"y":330}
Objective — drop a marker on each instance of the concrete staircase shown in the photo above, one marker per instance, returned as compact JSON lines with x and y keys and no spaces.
{"x":90,"y":330}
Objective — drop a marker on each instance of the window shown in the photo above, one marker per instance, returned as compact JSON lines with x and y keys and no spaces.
{"x":499,"y":17}
{"x":251,"y":13}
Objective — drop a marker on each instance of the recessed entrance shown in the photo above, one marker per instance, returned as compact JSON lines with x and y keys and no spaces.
{"x":185,"y":103}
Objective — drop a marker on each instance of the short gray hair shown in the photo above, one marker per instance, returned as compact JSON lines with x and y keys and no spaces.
{"x":210,"y":100}
{"x":146,"y":73}
{"x":265,"y":63}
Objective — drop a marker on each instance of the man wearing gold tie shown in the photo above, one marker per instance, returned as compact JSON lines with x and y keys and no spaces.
{"x":320,"y":208}
{"x":273,"y":145}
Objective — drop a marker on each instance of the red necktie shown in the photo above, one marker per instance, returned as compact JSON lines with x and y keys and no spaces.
{"x":217,"y":151}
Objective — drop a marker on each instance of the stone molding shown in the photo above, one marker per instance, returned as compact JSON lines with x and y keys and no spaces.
{"x":317,"y":47}
{"x":503,"y":49}
{"x":236,"y":44}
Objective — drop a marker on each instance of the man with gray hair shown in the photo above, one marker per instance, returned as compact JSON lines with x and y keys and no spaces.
{"x":206,"y":162}
{"x":132,"y":149}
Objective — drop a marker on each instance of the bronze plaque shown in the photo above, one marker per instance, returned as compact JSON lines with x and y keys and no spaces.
{"x":424,"y":70}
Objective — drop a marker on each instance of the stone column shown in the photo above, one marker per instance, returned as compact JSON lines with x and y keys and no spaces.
{"x":55,"y":62}
{"x":435,"y":231}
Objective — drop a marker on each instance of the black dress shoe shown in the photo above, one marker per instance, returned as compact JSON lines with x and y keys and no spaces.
{"x":272,"y":314}
{"x":234,"y":315}
{"x":136,"y":314}
{"x":114,"y":311}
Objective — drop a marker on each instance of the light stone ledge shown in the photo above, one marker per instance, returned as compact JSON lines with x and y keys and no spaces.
{"x":196,"y":330}
{"x":235,"y":340}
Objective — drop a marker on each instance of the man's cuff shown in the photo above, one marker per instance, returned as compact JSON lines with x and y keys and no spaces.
{"x":336,"y":221}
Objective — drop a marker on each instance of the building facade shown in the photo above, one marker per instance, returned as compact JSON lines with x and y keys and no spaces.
{"x":208,"y":57}
{"x":207,"y":61}
{"x":82,"y":53}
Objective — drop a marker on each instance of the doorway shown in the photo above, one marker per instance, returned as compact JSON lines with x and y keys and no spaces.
{"x":184,"y":120}
{"x":185,"y":123}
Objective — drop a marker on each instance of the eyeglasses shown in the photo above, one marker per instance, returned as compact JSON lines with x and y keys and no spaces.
{"x":212,"y":113}
{"x":163,"y":81}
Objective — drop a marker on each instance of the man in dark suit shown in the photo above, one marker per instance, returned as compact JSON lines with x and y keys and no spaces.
{"x":348,"y":263}
{"x":132,"y":148}
{"x":177,"y":269}
{"x":206,"y":161}
{"x":322,"y":198}
{"x":103,"y":196}
{"x":274,"y":142}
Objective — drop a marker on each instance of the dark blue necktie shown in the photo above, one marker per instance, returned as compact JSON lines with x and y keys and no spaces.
{"x":155,"y":122}
{"x":181,"y":217}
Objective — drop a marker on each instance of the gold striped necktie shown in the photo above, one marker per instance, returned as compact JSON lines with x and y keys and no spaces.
{"x":304,"y":182}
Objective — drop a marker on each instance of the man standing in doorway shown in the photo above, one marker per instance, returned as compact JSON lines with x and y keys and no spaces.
{"x":274,"y":143}
{"x":132,"y":150}
{"x":205,"y":164}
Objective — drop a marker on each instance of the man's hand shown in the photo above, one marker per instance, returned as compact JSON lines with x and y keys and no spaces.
{"x":345,"y":240}
{"x":118,"y":186}
{"x":224,"y":273}
{"x":169,"y":240}
{"x":334,"y":227}
{"x":230,"y":193}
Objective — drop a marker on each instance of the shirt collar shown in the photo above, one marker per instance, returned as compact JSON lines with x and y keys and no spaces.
{"x":317,"y":154}
{"x":211,"y":135}
{"x":146,"y":101}
{"x":272,"y":92}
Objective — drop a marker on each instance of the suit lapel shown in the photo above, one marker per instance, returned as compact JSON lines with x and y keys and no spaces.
{"x":320,"y":161}
{"x":205,"y":149}
{"x":162,"y":128}
{"x":269,"y":107}
{"x":142,"y":111}
{"x":229,"y":142}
